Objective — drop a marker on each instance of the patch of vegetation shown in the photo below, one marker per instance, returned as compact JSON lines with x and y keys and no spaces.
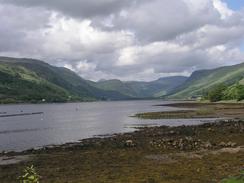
{"x":236,"y":179}
{"x":235,"y":92}
{"x":29,"y":175}
{"x":216,"y":93}
{"x":222,"y":92}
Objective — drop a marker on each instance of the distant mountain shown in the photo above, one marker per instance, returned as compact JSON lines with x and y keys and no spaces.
{"x":202,"y":81}
{"x":140,"y":89}
{"x":29,"y":80}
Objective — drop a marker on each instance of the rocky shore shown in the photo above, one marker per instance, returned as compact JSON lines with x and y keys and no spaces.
{"x":204,"y":153}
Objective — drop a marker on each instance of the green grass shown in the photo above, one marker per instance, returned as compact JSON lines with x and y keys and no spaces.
{"x":237,"y":179}
{"x":233,"y":180}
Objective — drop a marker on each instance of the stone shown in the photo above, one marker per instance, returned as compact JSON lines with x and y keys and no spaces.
{"x":207,"y":145}
{"x":129,"y":143}
{"x":222,"y":144}
{"x":231,"y":144}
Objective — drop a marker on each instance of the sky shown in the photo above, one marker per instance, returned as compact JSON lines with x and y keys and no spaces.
{"x":125,"y":39}
{"x":235,"y":4}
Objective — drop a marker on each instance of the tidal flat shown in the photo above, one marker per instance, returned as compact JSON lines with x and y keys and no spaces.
{"x":208,"y":152}
{"x":198,"y":110}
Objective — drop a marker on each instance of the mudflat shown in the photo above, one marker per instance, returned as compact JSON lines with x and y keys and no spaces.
{"x":198,"y":110}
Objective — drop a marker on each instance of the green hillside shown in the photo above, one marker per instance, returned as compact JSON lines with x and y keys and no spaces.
{"x":201,"y":81}
{"x":18,"y":84}
{"x":29,"y":80}
{"x":140,"y":89}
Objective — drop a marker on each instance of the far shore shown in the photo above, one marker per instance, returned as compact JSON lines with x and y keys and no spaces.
{"x":81,"y":101}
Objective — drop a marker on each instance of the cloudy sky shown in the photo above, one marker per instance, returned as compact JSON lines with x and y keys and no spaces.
{"x":125,"y":39}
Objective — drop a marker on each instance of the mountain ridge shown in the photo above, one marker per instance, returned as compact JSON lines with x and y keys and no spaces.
{"x":32,"y":80}
{"x":142,"y":89}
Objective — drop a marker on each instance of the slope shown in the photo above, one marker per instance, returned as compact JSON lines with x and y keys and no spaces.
{"x":60,"y":80}
{"x":201,"y":81}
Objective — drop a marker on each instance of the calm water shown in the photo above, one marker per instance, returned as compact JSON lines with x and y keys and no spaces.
{"x":62,"y":123}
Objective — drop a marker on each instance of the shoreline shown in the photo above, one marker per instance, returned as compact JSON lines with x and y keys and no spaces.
{"x":74,"y":102}
{"x":165,"y":146}
{"x":189,"y":104}
{"x":97,"y":138}
{"x":207,"y":152}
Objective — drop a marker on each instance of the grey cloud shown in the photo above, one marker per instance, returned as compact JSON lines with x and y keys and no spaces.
{"x":17,"y":25}
{"x":209,"y":36}
{"x":158,"y":20}
{"x":76,"y":8}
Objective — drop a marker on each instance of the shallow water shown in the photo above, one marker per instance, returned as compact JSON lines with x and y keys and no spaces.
{"x":70,"y":122}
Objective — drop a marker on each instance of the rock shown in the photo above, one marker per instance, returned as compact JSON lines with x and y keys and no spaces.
{"x":231,"y":144}
{"x":129,"y":143}
{"x":174,"y":143}
{"x":189,"y":138}
{"x":208,"y":145}
{"x":181,"y":144}
{"x":222,"y":144}
{"x":210,"y":129}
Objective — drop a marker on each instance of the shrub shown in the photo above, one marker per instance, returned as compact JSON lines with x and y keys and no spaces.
{"x":30,"y":175}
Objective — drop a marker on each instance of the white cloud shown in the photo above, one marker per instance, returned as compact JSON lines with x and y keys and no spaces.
{"x":222,"y":8}
{"x":136,"y":39}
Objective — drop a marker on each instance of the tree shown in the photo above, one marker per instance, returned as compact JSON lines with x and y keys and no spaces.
{"x":216,"y":93}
